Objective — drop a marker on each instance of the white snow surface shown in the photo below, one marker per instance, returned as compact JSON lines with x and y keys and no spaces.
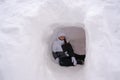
{"x":26,"y":27}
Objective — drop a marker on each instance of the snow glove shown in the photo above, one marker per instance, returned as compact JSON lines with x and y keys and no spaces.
{"x":74,"y":61}
{"x":66,"y":53}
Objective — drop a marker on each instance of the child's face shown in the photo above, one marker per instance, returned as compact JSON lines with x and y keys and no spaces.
{"x":62,"y":38}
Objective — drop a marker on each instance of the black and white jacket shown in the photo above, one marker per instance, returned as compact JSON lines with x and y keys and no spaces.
{"x":62,"y":49}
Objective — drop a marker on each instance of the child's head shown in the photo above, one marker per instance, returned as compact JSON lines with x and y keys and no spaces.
{"x":61,"y":36}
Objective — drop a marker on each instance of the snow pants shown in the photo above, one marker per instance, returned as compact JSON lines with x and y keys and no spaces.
{"x":67,"y":61}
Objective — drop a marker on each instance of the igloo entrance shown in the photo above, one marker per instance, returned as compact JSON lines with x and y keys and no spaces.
{"x":76,"y":36}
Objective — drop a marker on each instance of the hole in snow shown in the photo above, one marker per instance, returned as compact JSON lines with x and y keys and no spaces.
{"x":75,"y":35}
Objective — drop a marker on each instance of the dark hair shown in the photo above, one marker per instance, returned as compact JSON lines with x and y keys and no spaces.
{"x":65,"y":41}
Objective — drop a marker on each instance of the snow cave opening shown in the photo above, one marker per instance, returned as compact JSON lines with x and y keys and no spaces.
{"x":76,"y":36}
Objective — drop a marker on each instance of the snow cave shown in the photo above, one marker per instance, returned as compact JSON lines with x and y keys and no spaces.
{"x":28,"y":28}
{"x":75,"y":35}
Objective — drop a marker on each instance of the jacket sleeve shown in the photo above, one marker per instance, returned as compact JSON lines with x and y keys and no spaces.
{"x":54,"y":47}
{"x":54,"y":50}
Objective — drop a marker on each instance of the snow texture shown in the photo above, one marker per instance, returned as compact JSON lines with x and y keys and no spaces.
{"x":26,"y":27}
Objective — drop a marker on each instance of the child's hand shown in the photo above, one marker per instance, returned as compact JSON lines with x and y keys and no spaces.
{"x":66,"y":53}
{"x":74,"y":61}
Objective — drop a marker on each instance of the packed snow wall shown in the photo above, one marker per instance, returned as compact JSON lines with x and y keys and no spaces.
{"x":26,"y":27}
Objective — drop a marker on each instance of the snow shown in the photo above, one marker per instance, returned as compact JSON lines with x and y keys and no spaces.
{"x":26,"y":27}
